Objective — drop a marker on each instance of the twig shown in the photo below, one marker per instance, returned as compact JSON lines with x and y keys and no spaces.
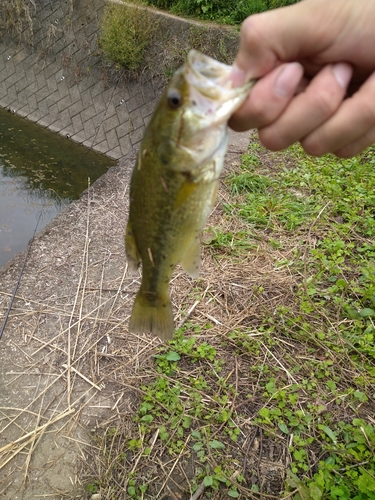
{"x":188,"y":314}
{"x":199,"y":492}
{"x":81,"y":375}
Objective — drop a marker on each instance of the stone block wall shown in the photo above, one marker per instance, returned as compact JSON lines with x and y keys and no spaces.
{"x":62,"y":82}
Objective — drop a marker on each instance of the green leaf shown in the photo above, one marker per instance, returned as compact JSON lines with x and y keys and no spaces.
{"x":131,"y":491}
{"x":172,"y":356}
{"x":217,"y":445}
{"x":198,"y":446}
{"x":208,"y":481}
{"x":233,"y":493}
{"x":284,"y":428}
{"x":186,"y":422}
{"x":331,"y":385}
{"x":315,"y":492}
{"x":366,"y":483}
{"x":366,"y":312}
{"x":329,"y":433}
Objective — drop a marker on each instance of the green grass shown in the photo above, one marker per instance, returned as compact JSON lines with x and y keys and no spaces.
{"x":222,"y":11}
{"x":331,"y":202}
{"x":290,"y":366}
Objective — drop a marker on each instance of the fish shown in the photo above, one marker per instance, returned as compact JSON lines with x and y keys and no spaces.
{"x":174,"y":184}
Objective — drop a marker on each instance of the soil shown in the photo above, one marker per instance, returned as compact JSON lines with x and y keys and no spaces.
{"x":65,"y":347}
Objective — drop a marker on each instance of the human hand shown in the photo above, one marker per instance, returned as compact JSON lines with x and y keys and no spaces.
{"x":309,"y":56}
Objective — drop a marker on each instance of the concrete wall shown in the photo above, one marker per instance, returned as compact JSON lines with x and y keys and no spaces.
{"x":61,"y":81}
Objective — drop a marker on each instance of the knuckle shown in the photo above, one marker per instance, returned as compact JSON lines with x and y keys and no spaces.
{"x":367,"y":109}
{"x":251,"y":30}
{"x":272,"y":140}
{"x":314,"y":149}
{"x":252,"y":34}
{"x":325,"y":103}
{"x":314,"y":146}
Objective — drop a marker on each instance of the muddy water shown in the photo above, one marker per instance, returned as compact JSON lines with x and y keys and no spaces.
{"x":40,"y":173}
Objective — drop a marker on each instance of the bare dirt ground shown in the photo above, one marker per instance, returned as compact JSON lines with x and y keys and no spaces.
{"x":67,"y":362}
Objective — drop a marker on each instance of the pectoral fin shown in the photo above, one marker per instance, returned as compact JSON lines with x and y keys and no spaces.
{"x":132,"y":253}
{"x":191,"y":261}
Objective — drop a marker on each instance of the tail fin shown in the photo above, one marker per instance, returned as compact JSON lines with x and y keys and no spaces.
{"x":155,"y":317}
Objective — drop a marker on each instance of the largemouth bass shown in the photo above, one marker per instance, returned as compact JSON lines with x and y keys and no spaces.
{"x":174,"y":184}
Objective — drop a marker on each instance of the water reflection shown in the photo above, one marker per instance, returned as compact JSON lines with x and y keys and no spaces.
{"x":40,"y":173}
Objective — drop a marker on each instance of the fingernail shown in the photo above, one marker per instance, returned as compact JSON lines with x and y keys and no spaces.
{"x":237,"y":76}
{"x":343,"y":73}
{"x":288,"y":79}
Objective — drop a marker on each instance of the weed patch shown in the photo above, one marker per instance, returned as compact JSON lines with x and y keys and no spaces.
{"x":268,"y":388}
{"x":126,"y":32}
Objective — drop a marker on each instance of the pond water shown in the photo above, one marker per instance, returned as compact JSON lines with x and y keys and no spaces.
{"x":40,"y":173}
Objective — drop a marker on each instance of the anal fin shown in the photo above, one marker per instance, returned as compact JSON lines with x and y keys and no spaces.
{"x":191,"y":261}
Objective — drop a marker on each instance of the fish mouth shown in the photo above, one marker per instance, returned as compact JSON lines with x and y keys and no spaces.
{"x":210,"y":87}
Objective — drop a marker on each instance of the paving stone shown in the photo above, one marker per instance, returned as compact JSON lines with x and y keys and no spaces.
{"x":88,"y":113}
{"x":100,"y":135}
{"x":45,"y":11}
{"x":9,"y":64}
{"x":136,"y":136}
{"x":112,"y":139}
{"x":28,"y":60}
{"x":79,"y":137}
{"x":136,"y":120}
{"x":64,"y":103}
{"x":56,"y":126}
{"x":42,"y":93}
{"x":123,"y":129}
{"x":133,"y":89}
{"x":74,"y":93}
{"x":50,"y":69}
{"x":43,"y":108}
{"x":122,"y":113}
{"x":135,"y":102}
{"x":97,"y":90}
{"x":53,"y":99}
{"x":12,"y":94}
{"x":86,"y":97}
{"x":99,"y":104}
{"x":147,"y":109}
{"x":115,"y":153}
{"x":148,"y":92}
{"x":24,"y":111}
{"x":34,"y":116}
{"x":102,"y":147}
{"x":30,"y":75}
{"x":66,"y":121}
{"x":90,"y":128}
{"x":110,"y":123}
{"x":62,"y":87}
{"x":77,"y":123}
{"x":76,"y":109}
{"x":125,"y":145}
{"x":21,"y":84}
{"x":3,"y":89}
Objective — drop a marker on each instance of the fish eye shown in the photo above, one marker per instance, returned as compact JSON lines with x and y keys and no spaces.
{"x":174,"y":99}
